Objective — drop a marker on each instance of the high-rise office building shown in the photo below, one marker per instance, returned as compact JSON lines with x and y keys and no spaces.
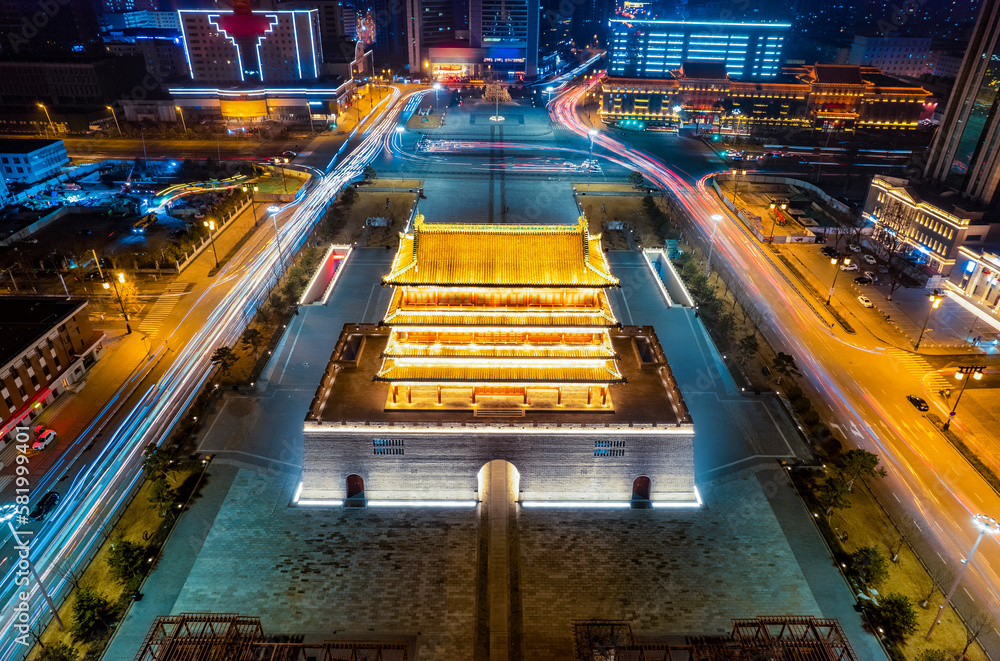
{"x":965,"y":153}
{"x":226,"y":47}
{"x":30,"y":28}
{"x":652,"y":48}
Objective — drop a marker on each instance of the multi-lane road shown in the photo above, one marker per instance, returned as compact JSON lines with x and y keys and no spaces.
{"x":862,"y":385}
{"x":94,"y":482}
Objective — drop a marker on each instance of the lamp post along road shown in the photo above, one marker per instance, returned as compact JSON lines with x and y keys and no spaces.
{"x":181,"y":113}
{"x":7,"y":514}
{"x":715,"y":228}
{"x":121,"y":279}
{"x":590,"y":161}
{"x":253,"y":203}
{"x":976,"y":372}
{"x":48,"y":117}
{"x":736,"y":184}
{"x":210,"y":224}
{"x":986,"y":525}
{"x":115,"y":117}
{"x":935,"y":303}
{"x":835,"y":262}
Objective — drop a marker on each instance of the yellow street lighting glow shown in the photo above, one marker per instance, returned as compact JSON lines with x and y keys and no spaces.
{"x":121,"y":277}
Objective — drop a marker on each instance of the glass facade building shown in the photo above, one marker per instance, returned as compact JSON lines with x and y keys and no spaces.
{"x":652,"y":48}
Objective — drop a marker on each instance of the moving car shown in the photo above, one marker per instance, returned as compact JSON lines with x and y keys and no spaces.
{"x":862,"y":280}
{"x":44,"y":506}
{"x":868,"y":259}
{"x":46,"y":438}
{"x":917,"y":402}
{"x":849,"y":267}
{"x":865,"y":301}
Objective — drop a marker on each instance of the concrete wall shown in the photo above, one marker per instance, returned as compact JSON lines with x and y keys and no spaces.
{"x":445,"y":464}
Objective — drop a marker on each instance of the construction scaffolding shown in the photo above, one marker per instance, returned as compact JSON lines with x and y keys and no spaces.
{"x":232,"y":637}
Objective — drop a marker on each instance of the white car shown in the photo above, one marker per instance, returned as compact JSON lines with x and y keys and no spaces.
{"x":865,"y":301}
{"x":44,"y":440}
{"x":868,"y":259}
{"x":853,"y":247}
{"x":871,"y":275}
{"x":848,"y":267}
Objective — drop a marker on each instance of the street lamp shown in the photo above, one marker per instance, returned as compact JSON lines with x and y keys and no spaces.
{"x":977,"y":373}
{"x":437,"y":106}
{"x":835,"y":262}
{"x":935,"y":304}
{"x":708,"y":266}
{"x":986,"y":525}
{"x":7,"y":514}
{"x":590,"y":161}
{"x":49,"y":117}
{"x":121,"y":279}
{"x":774,"y":217}
{"x":253,"y":207}
{"x":115,"y":117}
{"x":548,"y":90}
{"x":277,"y":238}
{"x":181,"y":113}
{"x":210,"y":224}
{"x":736,"y":186}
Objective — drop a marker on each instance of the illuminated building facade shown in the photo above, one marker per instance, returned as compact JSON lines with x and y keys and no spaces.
{"x":499,"y":343}
{"x":653,"y":48}
{"x":821,"y":96}
{"x":271,"y":47}
{"x":978,"y":275}
{"x":935,"y":228}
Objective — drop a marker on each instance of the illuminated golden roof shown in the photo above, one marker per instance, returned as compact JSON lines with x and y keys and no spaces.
{"x":498,"y":370}
{"x":500,"y":255}
{"x":401,"y":348}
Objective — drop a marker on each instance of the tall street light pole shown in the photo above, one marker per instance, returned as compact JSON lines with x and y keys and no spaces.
{"x":277,"y":237}
{"x":210,"y":224}
{"x":253,"y":202}
{"x":437,"y":106}
{"x":7,"y":514}
{"x":986,"y":525}
{"x":115,"y":117}
{"x":836,"y":262}
{"x":590,"y":161}
{"x":715,"y":228}
{"x":48,"y":117}
{"x":736,"y":185}
{"x":183,"y":123}
{"x":121,"y":278}
{"x":935,"y":304}
{"x":976,"y":371}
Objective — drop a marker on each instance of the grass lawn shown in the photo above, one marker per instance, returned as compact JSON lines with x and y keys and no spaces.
{"x":374,"y":205}
{"x":431,"y":121}
{"x":866,"y":524}
{"x":626,"y":208}
{"x":139,"y":517}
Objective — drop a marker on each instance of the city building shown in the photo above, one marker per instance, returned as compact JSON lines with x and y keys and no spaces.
{"x":894,"y":55}
{"x":27,"y":30}
{"x":965,"y":153}
{"x":821,"y":96}
{"x":946,"y":64}
{"x":934,"y":227}
{"x":332,"y":16}
{"x":499,"y":343}
{"x":977,"y":277}
{"x":161,"y":50}
{"x":46,"y":346}
{"x":652,"y":48}
{"x":160,"y":20}
{"x":126,"y":6}
{"x":64,"y":87}
{"x":502,"y":43}
{"x":29,"y":161}
{"x":272,"y":47}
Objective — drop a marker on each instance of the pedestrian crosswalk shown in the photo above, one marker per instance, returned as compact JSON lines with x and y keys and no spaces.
{"x":163,"y":306}
{"x":920,"y":368}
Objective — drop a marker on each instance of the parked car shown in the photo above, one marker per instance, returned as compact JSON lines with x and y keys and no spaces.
{"x":871,"y":275}
{"x":862,"y":280}
{"x":865,"y":301}
{"x":830,"y":251}
{"x":853,"y":247}
{"x":44,"y":440}
{"x":918,"y":402}
{"x":849,"y":267}
{"x":44,"y":506}
{"x":868,"y":259}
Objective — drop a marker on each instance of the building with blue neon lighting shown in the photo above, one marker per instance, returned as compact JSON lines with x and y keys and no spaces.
{"x":652,"y":48}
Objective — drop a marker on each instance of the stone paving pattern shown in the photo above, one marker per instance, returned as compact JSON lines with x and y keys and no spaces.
{"x":344,"y":573}
{"x":669,"y":572}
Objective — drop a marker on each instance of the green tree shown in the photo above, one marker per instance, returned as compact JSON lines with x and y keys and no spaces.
{"x":158,"y":463}
{"x":637,"y":180}
{"x":224,"y":358}
{"x":784,"y":365}
{"x":832,"y":494}
{"x":252,"y":339}
{"x":161,"y":496}
{"x":126,"y":559}
{"x":368,"y":174}
{"x":348,"y":196}
{"x":92,"y":614}
{"x":58,"y":652}
{"x":871,"y":565}
{"x":894,"y":617}
{"x":747,"y":347}
{"x":859,"y":464}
